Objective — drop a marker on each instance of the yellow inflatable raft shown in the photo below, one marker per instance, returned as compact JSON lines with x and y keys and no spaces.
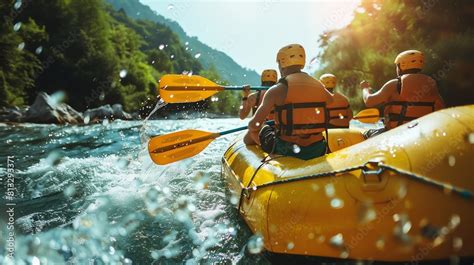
{"x":403,"y":196}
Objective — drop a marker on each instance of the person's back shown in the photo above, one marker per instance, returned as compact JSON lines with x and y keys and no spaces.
{"x":410,"y":96}
{"x":340,"y":112}
{"x":299,"y":102}
{"x":302,"y":117}
{"x":416,"y":95}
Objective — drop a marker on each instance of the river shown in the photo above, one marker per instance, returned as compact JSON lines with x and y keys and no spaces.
{"x":91,"y":195}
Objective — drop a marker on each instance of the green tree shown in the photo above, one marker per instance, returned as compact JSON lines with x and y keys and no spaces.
{"x":366,"y":48}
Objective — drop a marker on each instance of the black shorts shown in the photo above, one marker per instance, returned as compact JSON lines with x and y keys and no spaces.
{"x":267,"y":138}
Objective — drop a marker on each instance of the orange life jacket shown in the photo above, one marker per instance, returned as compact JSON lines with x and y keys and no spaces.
{"x":258,"y":102}
{"x":303,"y":116}
{"x":417,"y":94}
{"x":339,"y":112}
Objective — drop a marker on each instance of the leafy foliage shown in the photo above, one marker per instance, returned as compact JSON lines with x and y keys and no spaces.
{"x":95,"y":54}
{"x":366,"y":48}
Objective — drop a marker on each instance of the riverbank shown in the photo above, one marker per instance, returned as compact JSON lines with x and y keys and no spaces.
{"x":49,"y":109}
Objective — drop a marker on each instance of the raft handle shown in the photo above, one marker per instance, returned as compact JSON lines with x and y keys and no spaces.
{"x":371,"y":169}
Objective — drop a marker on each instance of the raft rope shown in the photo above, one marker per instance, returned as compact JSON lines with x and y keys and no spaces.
{"x":464,"y":193}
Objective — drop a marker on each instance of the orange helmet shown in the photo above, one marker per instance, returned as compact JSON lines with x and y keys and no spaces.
{"x":269,"y":75}
{"x":411,"y":59}
{"x":290,"y":55}
{"x":328,"y":80}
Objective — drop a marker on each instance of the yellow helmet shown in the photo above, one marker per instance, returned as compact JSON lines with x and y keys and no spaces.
{"x":411,"y":59}
{"x":269,"y":75}
{"x":290,"y":55}
{"x":328,"y":80}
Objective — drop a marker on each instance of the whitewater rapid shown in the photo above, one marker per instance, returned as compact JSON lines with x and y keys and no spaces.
{"x":91,"y":195}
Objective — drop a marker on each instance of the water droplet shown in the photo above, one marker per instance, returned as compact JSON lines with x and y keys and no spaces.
{"x":451,"y":161}
{"x":337,"y":203}
{"x":17,"y":26}
{"x":186,"y":43}
{"x":344,"y":254}
{"x":39,"y":50}
{"x":406,"y":227}
{"x":341,"y":117}
{"x":402,"y":228}
{"x":35,"y":261}
{"x":255,"y":244}
{"x":21,"y":46}
{"x":366,"y":213}
{"x":329,"y":189}
{"x":57,"y":98}
{"x":311,"y":236}
{"x":172,"y":96}
{"x":290,"y":246}
{"x":457,"y":243}
{"x":87,"y":119}
{"x":17,"y":5}
{"x":454,"y":221}
{"x":197,"y":55}
{"x":337,"y":240}
{"x":170,"y":7}
{"x":186,"y":48}
{"x":257,"y":124}
{"x":317,"y":111}
{"x":241,"y":107}
{"x":172,"y":56}
{"x":234,"y":199}
{"x":396,"y":217}
{"x":296,"y":149}
{"x":70,"y":190}
{"x":123,"y":73}
{"x":161,"y":47}
{"x":470,"y":138}
{"x":314,"y":187}
{"x":380,"y":243}
{"x":402,"y":191}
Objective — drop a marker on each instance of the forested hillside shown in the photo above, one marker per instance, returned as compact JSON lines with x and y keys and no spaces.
{"x":95,"y":54}
{"x":367,"y":47}
{"x":227,"y":68}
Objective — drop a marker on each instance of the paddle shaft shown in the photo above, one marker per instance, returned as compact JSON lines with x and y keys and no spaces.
{"x":211,"y":88}
{"x":202,"y":139}
{"x":239,"y":88}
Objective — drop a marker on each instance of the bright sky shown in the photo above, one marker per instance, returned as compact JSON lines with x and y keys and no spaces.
{"x":252,"y":32}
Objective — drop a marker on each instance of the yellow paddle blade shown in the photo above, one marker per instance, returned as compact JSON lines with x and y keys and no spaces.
{"x":169,"y":148}
{"x":186,"y":88}
{"x":368,"y":116}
